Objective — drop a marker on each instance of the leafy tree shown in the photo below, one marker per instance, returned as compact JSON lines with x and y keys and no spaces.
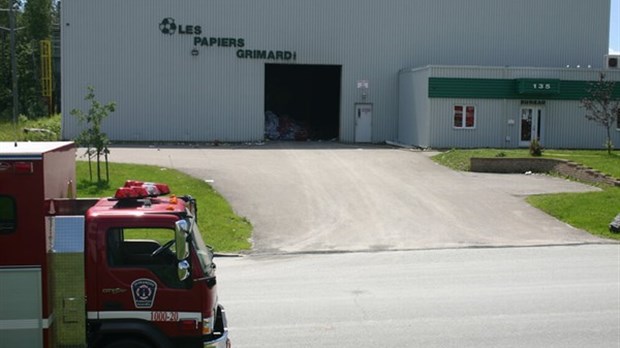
{"x":603,"y":106}
{"x":34,"y":18}
{"x":29,"y":85}
{"x":38,"y":19}
{"x":95,"y":141}
{"x":6,"y":101}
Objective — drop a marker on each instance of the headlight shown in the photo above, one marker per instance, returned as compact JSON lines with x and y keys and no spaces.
{"x":207,"y":325}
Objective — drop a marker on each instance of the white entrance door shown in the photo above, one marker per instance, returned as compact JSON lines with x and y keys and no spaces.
{"x":363,"y":123}
{"x":531,"y":124}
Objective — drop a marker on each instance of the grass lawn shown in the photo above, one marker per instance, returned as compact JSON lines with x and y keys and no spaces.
{"x":592,"y":211}
{"x":220,"y":226}
{"x":9,"y":132}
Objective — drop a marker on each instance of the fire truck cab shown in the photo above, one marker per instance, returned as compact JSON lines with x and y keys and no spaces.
{"x":127,"y":271}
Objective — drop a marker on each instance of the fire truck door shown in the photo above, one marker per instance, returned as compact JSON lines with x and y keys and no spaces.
{"x":136,"y":283}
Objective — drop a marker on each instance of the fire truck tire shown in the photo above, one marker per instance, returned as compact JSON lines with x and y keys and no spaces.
{"x":128,"y":343}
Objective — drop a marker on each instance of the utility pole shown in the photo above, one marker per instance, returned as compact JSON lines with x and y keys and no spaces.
{"x":12,"y":29}
{"x":13,"y":64}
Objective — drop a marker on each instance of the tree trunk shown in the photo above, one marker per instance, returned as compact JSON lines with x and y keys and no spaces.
{"x":98,"y":169}
{"x":90,"y":165}
{"x":609,"y":143}
{"x":107,"y":169}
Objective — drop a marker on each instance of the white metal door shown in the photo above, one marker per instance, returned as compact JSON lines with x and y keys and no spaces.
{"x":363,"y":123}
{"x":531,"y":124}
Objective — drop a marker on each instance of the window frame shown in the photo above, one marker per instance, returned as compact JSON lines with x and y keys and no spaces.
{"x":464,"y":116}
{"x":12,"y":221}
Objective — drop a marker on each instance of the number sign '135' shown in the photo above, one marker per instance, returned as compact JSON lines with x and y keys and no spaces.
{"x":541,"y":86}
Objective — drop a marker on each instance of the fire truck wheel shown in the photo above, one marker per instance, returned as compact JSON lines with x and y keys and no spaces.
{"x":128,"y":343}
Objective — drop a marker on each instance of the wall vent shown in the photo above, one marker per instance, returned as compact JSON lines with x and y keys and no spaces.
{"x":611,"y":61}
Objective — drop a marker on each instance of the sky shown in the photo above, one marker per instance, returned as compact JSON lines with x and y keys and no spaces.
{"x":614,"y":34}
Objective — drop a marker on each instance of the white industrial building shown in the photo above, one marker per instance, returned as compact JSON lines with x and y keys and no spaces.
{"x":351,"y":70}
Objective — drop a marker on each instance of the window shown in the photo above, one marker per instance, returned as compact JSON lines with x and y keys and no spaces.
{"x":464,"y":116}
{"x":8,"y":216}
{"x":618,"y":119}
{"x":150,"y":248}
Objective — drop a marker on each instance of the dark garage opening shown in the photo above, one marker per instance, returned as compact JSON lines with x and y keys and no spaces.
{"x":302,"y":102}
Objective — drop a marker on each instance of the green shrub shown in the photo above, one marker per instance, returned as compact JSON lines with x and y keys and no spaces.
{"x":536,"y":149}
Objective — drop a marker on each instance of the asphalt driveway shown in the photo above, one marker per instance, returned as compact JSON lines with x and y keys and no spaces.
{"x":304,"y":197}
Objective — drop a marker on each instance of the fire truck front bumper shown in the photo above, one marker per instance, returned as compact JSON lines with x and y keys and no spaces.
{"x":219,"y":338}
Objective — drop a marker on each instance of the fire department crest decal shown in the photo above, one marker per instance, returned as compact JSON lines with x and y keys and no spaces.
{"x":143,"y":291}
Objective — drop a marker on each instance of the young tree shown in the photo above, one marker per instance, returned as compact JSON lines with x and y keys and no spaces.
{"x":603,"y":106}
{"x":95,"y":141}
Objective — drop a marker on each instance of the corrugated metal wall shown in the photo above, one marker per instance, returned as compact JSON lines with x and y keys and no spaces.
{"x":567,"y":127}
{"x":491,"y":123}
{"x":414,"y":109}
{"x":408,"y":117}
{"x":165,"y":93}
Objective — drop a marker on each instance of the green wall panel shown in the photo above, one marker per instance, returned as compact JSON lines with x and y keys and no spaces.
{"x":439,"y":87}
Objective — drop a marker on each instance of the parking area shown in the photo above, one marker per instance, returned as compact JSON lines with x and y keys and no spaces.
{"x":327,"y":197}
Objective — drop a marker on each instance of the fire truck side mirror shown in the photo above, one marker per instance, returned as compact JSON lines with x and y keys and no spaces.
{"x":182,"y":248}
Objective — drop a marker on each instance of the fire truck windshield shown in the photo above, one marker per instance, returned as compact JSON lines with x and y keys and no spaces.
{"x":205,"y":254}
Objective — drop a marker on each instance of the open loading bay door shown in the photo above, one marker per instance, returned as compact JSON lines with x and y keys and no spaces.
{"x":302,"y":102}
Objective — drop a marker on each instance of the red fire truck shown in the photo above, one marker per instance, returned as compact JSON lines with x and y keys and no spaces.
{"x":126,"y":271}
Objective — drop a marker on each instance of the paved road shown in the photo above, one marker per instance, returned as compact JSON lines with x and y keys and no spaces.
{"x":335,"y":197}
{"x":566,"y":296}
{"x":311,"y":203}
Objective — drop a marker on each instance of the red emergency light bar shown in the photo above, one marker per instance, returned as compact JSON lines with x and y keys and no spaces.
{"x":134,"y":189}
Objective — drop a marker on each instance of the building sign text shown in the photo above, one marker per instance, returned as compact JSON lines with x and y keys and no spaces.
{"x":168,"y":26}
